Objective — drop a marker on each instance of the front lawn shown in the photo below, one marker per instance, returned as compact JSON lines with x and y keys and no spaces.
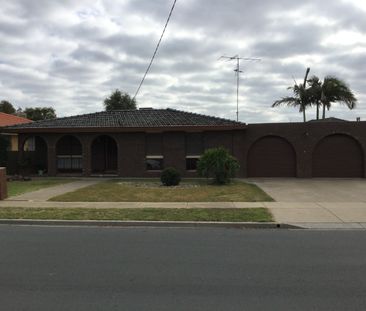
{"x":20,"y":187}
{"x":152,"y":191}
{"x":147,"y":214}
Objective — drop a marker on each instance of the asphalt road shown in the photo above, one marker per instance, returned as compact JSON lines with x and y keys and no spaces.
{"x":73,"y":268}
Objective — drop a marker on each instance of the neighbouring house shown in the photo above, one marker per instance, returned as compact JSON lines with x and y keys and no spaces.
{"x":140,"y":143}
{"x":11,"y":138}
{"x":7,"y":120}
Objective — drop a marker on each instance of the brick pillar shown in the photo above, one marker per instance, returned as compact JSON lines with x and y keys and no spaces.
{"x":86,"y":144}
{"x":51,"y":154}
{"x":174,"y":150}
{"x":131,"y":154}
{"x":3,"y":184}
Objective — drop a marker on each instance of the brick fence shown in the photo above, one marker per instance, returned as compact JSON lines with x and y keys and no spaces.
{"x":3,"y":185}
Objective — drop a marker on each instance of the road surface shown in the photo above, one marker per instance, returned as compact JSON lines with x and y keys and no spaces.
{"x":78,"y":268}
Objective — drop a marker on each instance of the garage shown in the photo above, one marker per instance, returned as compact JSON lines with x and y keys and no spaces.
{"x":271,"y":156}
{"x":338,"y":155}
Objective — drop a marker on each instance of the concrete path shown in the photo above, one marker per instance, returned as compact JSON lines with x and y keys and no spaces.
{"x":320,"y":214}
{"x":313,"y":214}
{"x":313,"y":190}
{"x":50,"y":192}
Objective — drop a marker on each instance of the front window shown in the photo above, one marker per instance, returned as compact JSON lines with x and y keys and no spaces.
{"x":191,"y":163}
{"x":69,"y":162}
{"x":154,"y":163}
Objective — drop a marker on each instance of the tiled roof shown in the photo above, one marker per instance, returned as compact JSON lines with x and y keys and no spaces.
{"x":9,"y":119}
{"x":144,"y":118}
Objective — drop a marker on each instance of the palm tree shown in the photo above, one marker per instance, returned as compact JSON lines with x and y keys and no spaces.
{"x":331,"y":90}
{"x":336,"y":90}
{"x":301,"y":98}
{"x":315,"y":89}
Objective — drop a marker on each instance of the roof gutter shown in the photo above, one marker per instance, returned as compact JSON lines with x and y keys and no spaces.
{"x":190,"y":128}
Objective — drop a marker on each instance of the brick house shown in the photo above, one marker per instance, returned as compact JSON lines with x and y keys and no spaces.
{"x":140,"y":143}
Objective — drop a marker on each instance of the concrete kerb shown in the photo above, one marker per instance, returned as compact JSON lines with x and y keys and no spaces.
{"x":166,"y":224}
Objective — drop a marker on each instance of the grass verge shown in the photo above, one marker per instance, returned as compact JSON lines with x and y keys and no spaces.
{"x":151,"y":191}
{"x":20,"y":187}
{"x":147,"y":214}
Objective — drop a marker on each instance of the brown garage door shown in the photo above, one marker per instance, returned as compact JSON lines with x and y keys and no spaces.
{"x":338,"y":156}
{"x":271,"y":156}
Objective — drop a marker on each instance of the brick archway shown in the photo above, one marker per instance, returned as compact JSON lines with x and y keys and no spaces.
{"x":69,"y":155}
{"x":35,"y":155}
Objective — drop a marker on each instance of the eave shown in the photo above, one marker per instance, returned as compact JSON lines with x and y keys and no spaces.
{"x":190,"y":128}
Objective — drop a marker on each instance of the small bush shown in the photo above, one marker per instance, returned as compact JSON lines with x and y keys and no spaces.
{"x":170,"y":177}
{"x":218,"y":164}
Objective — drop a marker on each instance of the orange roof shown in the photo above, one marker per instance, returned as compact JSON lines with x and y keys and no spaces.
{"x":9,"y":119}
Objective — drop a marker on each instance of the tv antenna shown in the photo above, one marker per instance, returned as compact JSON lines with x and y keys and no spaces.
{"x":237,"y":73}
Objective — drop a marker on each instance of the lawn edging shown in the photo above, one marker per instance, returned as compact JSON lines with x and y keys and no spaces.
{"x":157,"y":224}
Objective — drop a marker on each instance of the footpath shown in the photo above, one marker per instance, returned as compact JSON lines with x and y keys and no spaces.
{"x":314,"y":215}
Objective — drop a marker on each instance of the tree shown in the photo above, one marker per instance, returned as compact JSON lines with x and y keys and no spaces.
{"x":331,"y":90}
{"x":119,"y":101}
{"x":315,"y":86}
{"x":219,"y":164}
{"x":40,"y":113}
{"x":6,"y":107}
{"x":301,"y":99}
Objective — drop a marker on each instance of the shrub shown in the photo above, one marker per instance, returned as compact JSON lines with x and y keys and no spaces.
{"x":170,"y":177}
{"x":218,"y":164}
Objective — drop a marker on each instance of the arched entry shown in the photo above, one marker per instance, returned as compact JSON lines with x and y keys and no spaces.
{"x":69,"y":155}
{"x":271,"y":156}
{"x":104,"y":154}
{"x":338,"y":155}
{"x":35,"y":156}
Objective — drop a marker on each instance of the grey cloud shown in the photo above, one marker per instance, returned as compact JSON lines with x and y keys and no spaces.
{"x":72,"y":54}
{"x":84,"y":53}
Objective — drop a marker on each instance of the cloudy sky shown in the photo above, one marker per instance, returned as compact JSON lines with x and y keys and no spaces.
{"x":71,"y":54}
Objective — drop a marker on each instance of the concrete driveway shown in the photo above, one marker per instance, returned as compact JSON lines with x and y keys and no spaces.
{"x":313,"y":190}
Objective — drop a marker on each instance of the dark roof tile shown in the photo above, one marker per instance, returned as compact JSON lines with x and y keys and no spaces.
{"x":143,"y":118}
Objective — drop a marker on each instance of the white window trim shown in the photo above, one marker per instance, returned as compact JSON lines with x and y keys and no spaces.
{"x":154,"y":157}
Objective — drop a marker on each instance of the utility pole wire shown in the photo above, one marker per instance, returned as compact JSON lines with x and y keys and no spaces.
{"x":156,"y":49}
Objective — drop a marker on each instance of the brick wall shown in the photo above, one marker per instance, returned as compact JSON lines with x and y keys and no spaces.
{"x":132,"y":149}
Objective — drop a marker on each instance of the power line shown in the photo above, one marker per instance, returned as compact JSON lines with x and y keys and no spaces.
{"x":237,"y":73}
{"x":156,"y":49}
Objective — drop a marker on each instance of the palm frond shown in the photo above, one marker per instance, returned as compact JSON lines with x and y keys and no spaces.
{"x":286,"y":101}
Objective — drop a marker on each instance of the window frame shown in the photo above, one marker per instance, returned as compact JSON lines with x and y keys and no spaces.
{"x":154,"y":157}
{"x":71,"y":159}
{"x":192,"y":157}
